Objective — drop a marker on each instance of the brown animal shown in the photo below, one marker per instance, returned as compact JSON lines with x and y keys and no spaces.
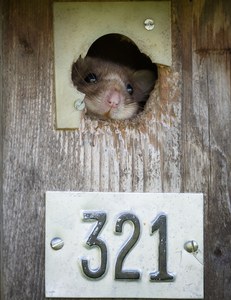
{"x":112,"y":90}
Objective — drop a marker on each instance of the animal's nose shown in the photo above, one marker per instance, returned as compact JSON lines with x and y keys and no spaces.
{"x":114,"y":99}
{"x":113,"y":102}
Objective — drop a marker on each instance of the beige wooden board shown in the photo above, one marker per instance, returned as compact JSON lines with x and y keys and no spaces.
{"x":77,"y":25}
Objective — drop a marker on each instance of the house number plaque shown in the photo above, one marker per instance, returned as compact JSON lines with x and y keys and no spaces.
{"x":124,"y":245}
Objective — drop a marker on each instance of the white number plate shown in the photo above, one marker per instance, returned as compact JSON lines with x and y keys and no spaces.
{"x":124,"y":245}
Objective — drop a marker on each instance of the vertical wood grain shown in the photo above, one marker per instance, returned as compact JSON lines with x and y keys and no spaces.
{"x":207,"y":133}
{"x":27,"y":94}
{"x":1,"y":154}
{"x":212,"y":78}
{"x":180,"y":143}
{"x":100,"y":157}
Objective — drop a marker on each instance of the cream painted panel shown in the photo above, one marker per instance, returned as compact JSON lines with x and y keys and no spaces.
{"x":77,"y":25}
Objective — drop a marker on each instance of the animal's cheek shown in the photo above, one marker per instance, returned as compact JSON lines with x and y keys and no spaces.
{"x":96,"y":106}
{"x":83,"y":87}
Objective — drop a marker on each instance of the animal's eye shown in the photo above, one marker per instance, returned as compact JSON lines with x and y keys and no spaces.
{"x":91,"y":78}
{"x":129,"y":89}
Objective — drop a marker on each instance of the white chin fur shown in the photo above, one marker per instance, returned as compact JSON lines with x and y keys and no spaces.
{"x":120,"y":113}
{"x":123,"y":114}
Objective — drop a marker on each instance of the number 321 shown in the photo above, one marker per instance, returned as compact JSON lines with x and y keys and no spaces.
{"x":159,"y":223}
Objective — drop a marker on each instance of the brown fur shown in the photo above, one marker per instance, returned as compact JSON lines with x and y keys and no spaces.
{"x":111,"y":79}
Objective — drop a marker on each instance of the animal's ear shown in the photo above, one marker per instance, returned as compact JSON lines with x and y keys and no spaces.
{"x":145,"y":80}
{"x":77,"y":71}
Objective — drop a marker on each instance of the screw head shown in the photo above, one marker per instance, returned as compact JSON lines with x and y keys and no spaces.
{"x":191,"y":246}
{"x":149,"y":24}
{"x":79,"y":104}
{"x":57,"y":243}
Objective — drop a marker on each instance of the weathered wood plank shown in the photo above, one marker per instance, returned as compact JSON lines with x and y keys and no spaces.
{"x":219,"y":205}
{"x":176,"y":145}
{"x":100,"y":156}
{"x":38,"y":158}
{"x":212,"y":25}
{"x":1,"y":154}
{"x":27,"y":94}
{"x":207,"y":148}
{"x":207,"y":139}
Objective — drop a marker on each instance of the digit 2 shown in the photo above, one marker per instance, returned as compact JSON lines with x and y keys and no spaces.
{"x":119,"y":273}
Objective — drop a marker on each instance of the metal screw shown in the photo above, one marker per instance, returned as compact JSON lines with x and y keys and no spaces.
{"x":79,"y":104}
{"x":191,"y":246}
{"x":57,"y":243}
{"x":149,"y":24}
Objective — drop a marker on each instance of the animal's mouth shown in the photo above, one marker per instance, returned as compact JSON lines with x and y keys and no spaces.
{"x":107,"y":114}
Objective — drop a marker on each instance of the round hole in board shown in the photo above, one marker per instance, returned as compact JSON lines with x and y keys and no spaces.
{"x":121,"y":51}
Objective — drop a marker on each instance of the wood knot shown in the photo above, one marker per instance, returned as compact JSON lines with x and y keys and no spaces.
{"x":26,"y":46}
{"x":217,"y":251}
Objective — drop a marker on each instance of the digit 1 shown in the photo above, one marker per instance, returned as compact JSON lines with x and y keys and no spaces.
{"x":160,"y":223}
{"x":94,"y":240}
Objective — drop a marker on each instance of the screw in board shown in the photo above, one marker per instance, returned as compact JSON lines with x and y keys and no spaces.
{"x":149,"y":24}
{"x":79,"y":104}
{"x":57,"y":243}
{"x":191,"y":246}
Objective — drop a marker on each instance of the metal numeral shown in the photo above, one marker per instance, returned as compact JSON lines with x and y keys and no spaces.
{"x":94,"y":240}
{"x":128,"y":274}
{"x":160,"y":223}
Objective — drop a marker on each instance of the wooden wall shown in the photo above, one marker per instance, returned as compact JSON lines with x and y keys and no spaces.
{"x":181,"y":144}
{"x":1,"y":154}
